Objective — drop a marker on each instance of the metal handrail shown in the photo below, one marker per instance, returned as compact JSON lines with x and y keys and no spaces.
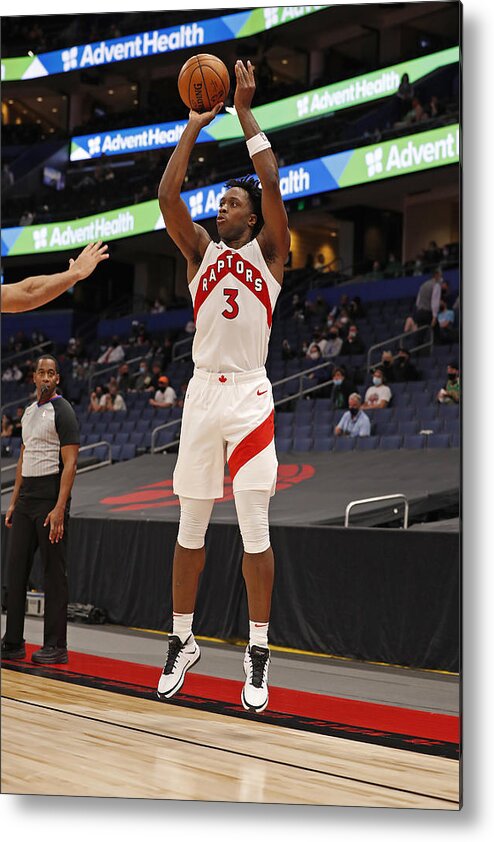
{"x":26,"y":352}
{"x":188,"y":340}
{"x":112,"y":367}
{"x":18,"y":402}
{"x":155,"y":430}
{"x":378,"y":500}
{"x":79,"y":470}
{"x":401,"y":336}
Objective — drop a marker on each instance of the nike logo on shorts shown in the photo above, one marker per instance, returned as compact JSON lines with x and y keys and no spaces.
{"x":261,"y":393}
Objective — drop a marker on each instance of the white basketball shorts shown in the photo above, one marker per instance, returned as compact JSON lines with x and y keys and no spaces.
{"x":227,"y":417}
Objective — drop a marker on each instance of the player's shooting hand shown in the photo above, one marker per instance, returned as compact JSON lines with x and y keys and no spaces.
{"x":55,"y":520}
{"x":246,"y":85}
{"x":88,"y":259}
{"x":206,"y":117}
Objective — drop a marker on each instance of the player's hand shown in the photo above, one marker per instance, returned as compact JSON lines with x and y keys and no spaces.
{"x":88,"y":259}
{"x":206,"y":117}
{"x":55,"y":520}
{"x":246,"y":85}
{"x":8,"y":517}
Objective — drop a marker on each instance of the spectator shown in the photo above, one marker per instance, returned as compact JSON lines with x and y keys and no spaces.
{"x":343,"y":322}
{"x":417,"y":113}
{"x":287,"y":352}
{"x":314,"y":353}
{"x":97,"y":400}
{"x":165,"y":395}
{"x":355,"y":308}
{"x":353,"y":344}
{"x":340,"y":389}
{"x":113,"y":400}
{"x":393,"y":268}
{"x":376,"y":274}
{"x":156,"y":373}
{"x":319,"y":341}
{"x":12,"y":374}
{"x":182,"y":394}
{"x":335,"y":343}
{"x":403,"y":368}
{"x":428,"y":300}
{"x":298,"y":307}
{"x":451,"y":392}
{"x":404,"y":94}
{"x":158,"y":306}
{"x":436,"y":108}
{"x":114,"y":352}
{"x":354,"y":422}
{"x":378,"y":395}
{"x":446,"y":321}
{"x":320,"y":309}
{"x":7,"y":426}
{"x":142,"y":381}
{"x":387,"y":366}
{"x":124,"y":378}
{"x":17,"y":422}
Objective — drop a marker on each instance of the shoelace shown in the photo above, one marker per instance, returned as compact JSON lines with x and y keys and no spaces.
{"x":174,"y":647}
{"x":258,"y":661}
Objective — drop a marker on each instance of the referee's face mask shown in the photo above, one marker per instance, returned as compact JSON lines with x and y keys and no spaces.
{"x":46,"y":379}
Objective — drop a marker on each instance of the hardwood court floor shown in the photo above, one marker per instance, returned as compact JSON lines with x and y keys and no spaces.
{"x":66,"y":739}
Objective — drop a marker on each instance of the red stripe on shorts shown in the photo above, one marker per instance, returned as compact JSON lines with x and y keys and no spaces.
{"x":251,"y":445}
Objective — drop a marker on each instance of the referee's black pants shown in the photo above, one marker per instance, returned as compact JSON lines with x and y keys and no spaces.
{"x":28,"y":533}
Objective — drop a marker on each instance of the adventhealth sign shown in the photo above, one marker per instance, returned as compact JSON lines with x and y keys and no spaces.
{"x":156,"y":42}
{"x":365,"y":165}
{"x":290,"y":111}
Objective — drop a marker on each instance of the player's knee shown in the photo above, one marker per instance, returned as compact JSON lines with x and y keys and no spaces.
{"x":252,"y":511}
{"x":194,"y":521}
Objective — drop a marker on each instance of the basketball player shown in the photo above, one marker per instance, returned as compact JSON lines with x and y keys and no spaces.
{"x":228,"y":410}
{"x":33,"y":292}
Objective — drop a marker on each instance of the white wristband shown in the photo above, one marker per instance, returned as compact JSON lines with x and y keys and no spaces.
{"x":257,"y":144}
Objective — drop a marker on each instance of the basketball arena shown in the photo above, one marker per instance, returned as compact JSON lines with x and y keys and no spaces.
{"x":360,"y":104}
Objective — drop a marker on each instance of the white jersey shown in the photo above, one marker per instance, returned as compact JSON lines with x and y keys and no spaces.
{"x":234,"y":295}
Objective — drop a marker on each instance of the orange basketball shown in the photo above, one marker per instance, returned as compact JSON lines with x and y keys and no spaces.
{"x":203,"y":82}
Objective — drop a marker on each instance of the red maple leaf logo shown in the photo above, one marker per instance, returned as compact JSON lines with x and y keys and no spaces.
{"x":160,"y":494}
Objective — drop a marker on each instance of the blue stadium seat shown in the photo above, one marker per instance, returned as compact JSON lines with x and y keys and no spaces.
{"x":128,"y":427}
{"x":302,"y":442}
{"x":137,"y":439}
{"x":302,"y":430}
{"x":413,"y":442}
{"x":116,"y":452}
{"x":343,"y":443}
{"x":283,"y":444}
{"x":323,"y":443}
{"x":390,"y":442}
{"x":427,"y":414}
{"x":128,"y":452}
{"x":404,"y":413}
{"x":121,"y":438}
{"x":408,"y":428}
{"x":438,"y":440}
{"x":114,"y":426}
{"x":367,"y":442}
{"x":386,"y":428}
{"x":143,"y":425}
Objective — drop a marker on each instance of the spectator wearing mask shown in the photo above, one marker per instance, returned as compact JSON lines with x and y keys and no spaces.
{"x":318,"y":341}
{"x":335,"y":343}
{"x":451,"y":391}
{"x":113,"y":354}
{"x":313,"y":353}
{"x":354,"y":422}
{"x":353,"y":344}
{"x":387,"y":366}
{"x":403,"y":368}
{"x":165,"y":395}
{"x":446,"y":321}
{"x":378,"y":395}
{"x":113,"y":400}
{"x":142,"y":381}
{"x":97,"y":401}
{"x":340,"y":389}
{"x":124,"y":378}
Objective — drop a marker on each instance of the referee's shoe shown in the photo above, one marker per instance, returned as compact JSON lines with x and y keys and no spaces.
{"x":50,"y":655}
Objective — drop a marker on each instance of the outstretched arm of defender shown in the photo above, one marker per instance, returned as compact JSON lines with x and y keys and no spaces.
{"x":191,"y":239}
{"x":275,"y":234}
{"x":38,"y":290}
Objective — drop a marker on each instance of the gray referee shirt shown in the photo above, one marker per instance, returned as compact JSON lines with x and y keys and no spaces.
{"x":46,"y":428}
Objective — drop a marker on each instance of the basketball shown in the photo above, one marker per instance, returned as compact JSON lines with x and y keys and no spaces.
{"x":203,"y":82}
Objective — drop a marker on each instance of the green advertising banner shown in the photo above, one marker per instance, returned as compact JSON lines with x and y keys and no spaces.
{"x":365,"y":165}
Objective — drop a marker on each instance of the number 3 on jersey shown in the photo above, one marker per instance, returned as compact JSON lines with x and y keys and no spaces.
{"x":231,"y":300}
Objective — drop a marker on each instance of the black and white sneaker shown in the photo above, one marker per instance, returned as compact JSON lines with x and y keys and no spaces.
{"x":181,"y":657}
{"x":255,"y":690}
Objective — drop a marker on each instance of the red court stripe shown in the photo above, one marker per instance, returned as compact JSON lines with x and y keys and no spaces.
{"x":416,"y":723}
{"x":251,"y":445}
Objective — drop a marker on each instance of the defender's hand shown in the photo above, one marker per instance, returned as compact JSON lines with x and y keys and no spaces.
{"x":88,"y":259}
{"x":207,"y":117}
{"x":246,"y":85}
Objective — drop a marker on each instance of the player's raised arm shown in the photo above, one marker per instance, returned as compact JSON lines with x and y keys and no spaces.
{"x":38,"y":290}
{"x":274,"y":237}
{"x":191,"y":239}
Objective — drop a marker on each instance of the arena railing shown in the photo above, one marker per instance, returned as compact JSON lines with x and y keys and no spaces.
{"x":428,"y":343}
{"x":383,"y":498}
{"x":114,"y":367}
{"x":6,"y":361}
{"x":182,"y":342}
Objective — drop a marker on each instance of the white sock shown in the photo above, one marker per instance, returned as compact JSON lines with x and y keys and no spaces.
{"x":182,"y":625}
{"x":258,"y":634}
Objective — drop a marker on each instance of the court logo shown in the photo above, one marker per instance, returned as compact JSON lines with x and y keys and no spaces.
{"x":69,"y":58}
{"x":374,"y":161}
{"x":40,"y":238}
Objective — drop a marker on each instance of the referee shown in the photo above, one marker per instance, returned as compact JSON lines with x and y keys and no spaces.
{"x":38,"y":515}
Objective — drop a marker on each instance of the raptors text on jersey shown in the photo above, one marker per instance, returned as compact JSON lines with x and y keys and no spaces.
{"x":234,"y":295}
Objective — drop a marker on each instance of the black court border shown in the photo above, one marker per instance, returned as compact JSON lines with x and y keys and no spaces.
{"x":406,"y":742}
